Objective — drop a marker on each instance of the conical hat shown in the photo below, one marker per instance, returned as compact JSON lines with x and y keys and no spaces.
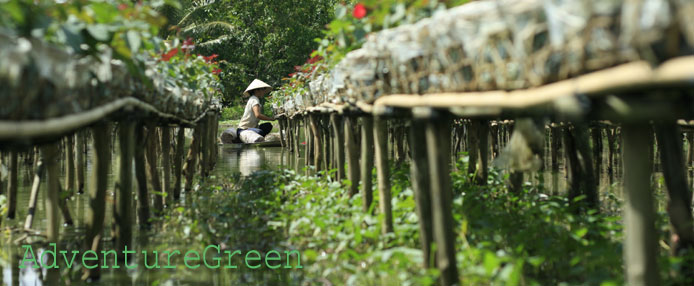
{"x":256,"y":84}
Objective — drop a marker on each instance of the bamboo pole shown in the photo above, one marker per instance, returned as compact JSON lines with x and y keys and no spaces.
{"x":679,"y":195}
{"x":438,"y":151}
{"x":204,"y":146}
{"x":191,"y":160}
{"x":640,"y":245}
{"x":367,"y":161}
{"x":352,"y":155}
{"x":141,"y":176}
{"x":338,"y":138}
{"x":419,"y":169}
{"x":52,"y":158}
{"x":70,"y":164}
{"x":12,"y":186}
{"x":123,"y":198}
{"x":317,"y":143}
{"x":282,"y":128}
{"x":166,"y":163}
{"x":581,"y":174}
{"x":473,"y":147}
{"x":33,"y":198}
{"x":325,"y":136}
{"x":97,"y":192}
{"x":153,"y":174}
{"x":483,"y":137}
{"x":178,"y":162}
{"x":80,"y":161}
{"x":383,"y":169}
{"x":596,"y":135}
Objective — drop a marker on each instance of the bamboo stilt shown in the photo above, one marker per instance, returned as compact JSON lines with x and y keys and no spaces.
{"x":124,"y":187}
{"x":367,"y":161}
{"x":97,"y":192}
{"x":192,"y":159}
{"x":70,"y":164}
{"x":166,"y":163}
{"x":12,"y":186}
{"x":338,"y":138}
{"x":178,"y":162}
{"x":141,"y":177}
{"x":33,"y":197}
{"x":438,"y":146}
{"x":419,"y":169}
{"x":383,"y":170}
{"x":204,"y":146}
{"x":80,"y":162}
{"x":641,"y":243}
{"x":153,"y":174}
{"x":351,"y":155}
{"x":679,"y":206}
{"x":581,"y":174}
{"x":52,"y":194}
{"x":317,"y":143}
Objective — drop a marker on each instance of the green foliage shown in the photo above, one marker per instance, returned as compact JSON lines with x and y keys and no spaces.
{"x":232,"y":112}
{"x":254,"y":38}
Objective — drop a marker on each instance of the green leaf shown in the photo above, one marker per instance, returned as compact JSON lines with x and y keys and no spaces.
{"x":134,"y":41}
{"x":99,"y":32}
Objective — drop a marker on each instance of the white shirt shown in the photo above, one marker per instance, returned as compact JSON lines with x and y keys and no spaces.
{"x":248,"y":120}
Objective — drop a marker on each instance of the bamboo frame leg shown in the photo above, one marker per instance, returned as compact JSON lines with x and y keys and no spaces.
{"x":124,"y":186}
{"x":383,"y":170}
{"x":581,"y":174}
{"x":596,"y":135}
{"x":52,"y":159}
{"x":153,"y":174}
{"x":166,"y":163}
{"x":141,"y":177}
{"x":338,"y":138}
{"x":204,"y":146}
{"x":473,"y":147}
{"x":317,"y":143}
{"x":192,"y":159}
{"x":33,"y":198}
{"x":438,"y":151}
{"x":80,"y":162}
{"x":640,"y":245}
{"x":282,"y":128}
{"x":367,"y":161}
{"x":178,"y":162}
{"x":352,"y":156}
{"x":70,"y":164}
{"x":483,"y":137}
{"x":97,"y":193}
{"x":679,"y":195}
{"x":419,"y":169}
{"x":12,"y":186}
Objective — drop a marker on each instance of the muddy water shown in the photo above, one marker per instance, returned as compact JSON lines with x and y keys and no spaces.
{"x":231,"y":160}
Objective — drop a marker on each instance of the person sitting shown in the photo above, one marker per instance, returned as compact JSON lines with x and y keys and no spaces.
{"x":249,"y":131}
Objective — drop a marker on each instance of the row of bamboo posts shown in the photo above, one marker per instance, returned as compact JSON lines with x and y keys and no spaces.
{"x":354,"y":140}
{"x":139,"y":144}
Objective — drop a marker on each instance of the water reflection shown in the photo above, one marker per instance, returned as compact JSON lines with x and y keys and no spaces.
{"x":236,"y":158}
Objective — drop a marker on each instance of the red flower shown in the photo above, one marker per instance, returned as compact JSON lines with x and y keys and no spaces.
{"x":359,"y":11}
{"x":167,"y":56}
{"x":216,"y":71}
{"x":210,"y":58}
{"x":122,"y":6}
{"x":188,"y":45}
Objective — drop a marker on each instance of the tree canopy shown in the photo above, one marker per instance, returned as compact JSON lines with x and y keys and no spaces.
{"x":262,"y":39}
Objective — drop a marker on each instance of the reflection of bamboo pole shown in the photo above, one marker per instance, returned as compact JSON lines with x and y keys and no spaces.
{"x":123,"y":201}
{"x":166,"y":161}
{"x":438,"y":150}
{"x":640,"y":245}
{"x":178,"y":162}
{"x":419,"y":169}
{"x":12,"y":186}
{"x":383,"y":169}
{"x":367,"y":161}
{"x":33,"y":198}
{"x":141,"y":176}
{"x":352,"y":155}
{"x":97,"y":192}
